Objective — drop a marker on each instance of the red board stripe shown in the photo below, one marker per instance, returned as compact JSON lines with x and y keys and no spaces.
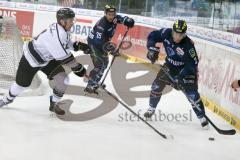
{"x":83,"y":20}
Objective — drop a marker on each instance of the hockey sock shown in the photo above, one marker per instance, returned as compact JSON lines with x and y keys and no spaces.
{"x":14,"y":91}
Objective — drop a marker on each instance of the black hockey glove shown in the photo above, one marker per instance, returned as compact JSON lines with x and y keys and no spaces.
{"x":80,"y":71}
{"x":110,"y":48}
{"x":152,"y":54}
{"x":82,"y":46}
{"x":129,"y":22}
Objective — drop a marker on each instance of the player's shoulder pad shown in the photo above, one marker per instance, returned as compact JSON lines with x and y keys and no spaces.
{"x":189,"y":46}
{"x":165,"y":31}
{"x":188,"y":42}
{"x":100,"y":25}
{"x":52,"y":27}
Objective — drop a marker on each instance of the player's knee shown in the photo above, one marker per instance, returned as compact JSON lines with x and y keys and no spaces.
{"x":60,"y":82}
{"x":157,"y":87}
{"x":154,"y":87}
{"x":190,"y":87}
{"x":66,"y":80}
{"x":60,"y":76}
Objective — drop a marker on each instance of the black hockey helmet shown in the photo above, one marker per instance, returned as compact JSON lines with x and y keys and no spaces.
{"x":110,"y":8}
{"x":180,"y":26}
{"x":64,"y":13}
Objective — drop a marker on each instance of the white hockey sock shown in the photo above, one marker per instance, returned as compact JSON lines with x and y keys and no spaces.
{"x":14,"y":91}
{"x":56,"y":98}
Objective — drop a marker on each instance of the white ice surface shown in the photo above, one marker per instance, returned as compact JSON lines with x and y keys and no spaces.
{"x":28,"y":132}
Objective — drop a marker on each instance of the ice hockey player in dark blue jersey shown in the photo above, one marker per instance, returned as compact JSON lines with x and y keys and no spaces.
{"x":180,"y":69}
{"x":100,"y":35}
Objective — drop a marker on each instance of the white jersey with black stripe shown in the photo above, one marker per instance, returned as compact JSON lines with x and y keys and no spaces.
{"x":52,"y":43}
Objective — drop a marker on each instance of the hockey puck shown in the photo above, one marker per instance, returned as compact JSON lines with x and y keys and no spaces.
{"x":211,"y":139}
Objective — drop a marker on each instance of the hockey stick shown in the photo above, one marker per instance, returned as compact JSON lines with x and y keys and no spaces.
{"x":117,"y":50}
{"x":220,"y":131}
{"x":129,"y":109}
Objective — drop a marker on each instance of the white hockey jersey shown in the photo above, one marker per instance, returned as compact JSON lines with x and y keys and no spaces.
{"x":52,"y":43}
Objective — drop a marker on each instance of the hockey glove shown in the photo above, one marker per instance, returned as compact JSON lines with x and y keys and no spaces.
{"x":129,"y":22}
{"x":82,"y":46}
{"x":110,"y":48}
{"x":152,"y":54}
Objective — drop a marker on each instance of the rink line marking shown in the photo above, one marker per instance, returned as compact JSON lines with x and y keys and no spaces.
{"x":212,"y":106}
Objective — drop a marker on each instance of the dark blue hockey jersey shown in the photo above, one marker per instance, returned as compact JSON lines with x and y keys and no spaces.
{"x":103,"y":31}
{"x":181,"y":58}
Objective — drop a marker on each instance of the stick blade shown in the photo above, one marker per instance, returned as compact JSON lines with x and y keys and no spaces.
{"x":227,"y":132}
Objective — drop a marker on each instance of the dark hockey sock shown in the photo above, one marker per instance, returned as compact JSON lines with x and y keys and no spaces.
{"x":154,"y":99}
{"x":196,"y":102}
{"x":198,"y":108}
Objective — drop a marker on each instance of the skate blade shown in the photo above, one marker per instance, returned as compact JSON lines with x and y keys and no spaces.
{"x":54,"y":115}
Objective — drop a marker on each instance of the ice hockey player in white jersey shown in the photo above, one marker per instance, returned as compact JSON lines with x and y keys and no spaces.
{"x":47,"y":53}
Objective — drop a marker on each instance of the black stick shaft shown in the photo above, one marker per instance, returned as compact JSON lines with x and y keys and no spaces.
{"x":129,"y":109}
{"x":114,"y":57}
